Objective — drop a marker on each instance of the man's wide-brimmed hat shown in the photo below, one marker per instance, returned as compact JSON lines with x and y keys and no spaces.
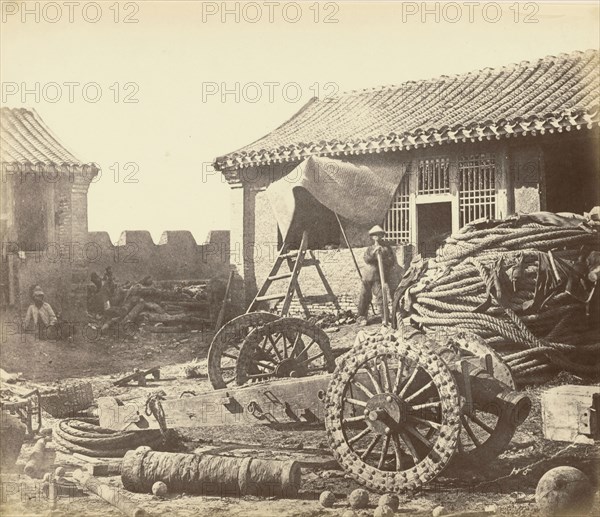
{"x":377,"y":230}
{"x":37,"y":291}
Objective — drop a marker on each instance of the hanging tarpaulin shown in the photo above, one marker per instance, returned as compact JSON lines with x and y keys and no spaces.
{"x":359,"y":193}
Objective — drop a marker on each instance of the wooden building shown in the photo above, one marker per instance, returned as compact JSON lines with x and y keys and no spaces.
{"x":489,"y":143}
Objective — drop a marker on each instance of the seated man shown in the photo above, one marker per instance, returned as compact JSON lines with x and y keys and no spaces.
{"x":40,"y":317}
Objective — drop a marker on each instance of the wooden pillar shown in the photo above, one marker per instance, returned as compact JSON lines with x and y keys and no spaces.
{"x":242,"y":225}
{"x":454,"y":157}
{"x":505,"y":200}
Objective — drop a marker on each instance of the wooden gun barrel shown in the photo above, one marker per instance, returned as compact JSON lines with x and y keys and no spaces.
{"x":209,"y":475}
{"x":110,"y":494}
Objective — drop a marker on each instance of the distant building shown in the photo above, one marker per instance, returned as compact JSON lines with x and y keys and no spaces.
{"x":447,"y":151}
{"x":44,"y":227}
{"x":44,"y":212}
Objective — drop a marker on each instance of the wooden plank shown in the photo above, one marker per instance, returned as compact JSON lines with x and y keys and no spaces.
{"x":267,"y":297}
{"x":295,"y":272}
{"x":137,"y":376}
{"x":110,"y":468}
{"x":221,"y":316}
{"x":277,"y":402}
{"x":267,"y":283}
{"x":112,"y":495}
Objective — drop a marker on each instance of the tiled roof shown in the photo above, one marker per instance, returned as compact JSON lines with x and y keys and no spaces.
{"x":26,"y":143}
{"x":551,"y":94}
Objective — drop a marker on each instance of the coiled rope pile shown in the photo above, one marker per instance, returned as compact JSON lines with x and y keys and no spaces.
{"x":521,"y":284}
{"x":85,"y":436}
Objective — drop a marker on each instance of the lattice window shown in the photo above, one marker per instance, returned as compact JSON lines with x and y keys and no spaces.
{"x":476,"y":187}
{"x":434,"y":176}
{"x":397,"y":225}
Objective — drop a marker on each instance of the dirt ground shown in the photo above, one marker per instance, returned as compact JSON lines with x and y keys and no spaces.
{"x":509,"y":482}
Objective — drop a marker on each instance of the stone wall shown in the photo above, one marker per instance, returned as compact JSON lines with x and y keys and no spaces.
{"x":527,"y":176}
{"x":340,"y":272}
{"x":31,"y":269}
{"x":255,"y":232}
{"x":177,"y":256}
{"x":62,"y":266}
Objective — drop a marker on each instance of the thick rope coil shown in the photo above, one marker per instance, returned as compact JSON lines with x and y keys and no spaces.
{"x":85,"y":437}
{"x":457,"y":290}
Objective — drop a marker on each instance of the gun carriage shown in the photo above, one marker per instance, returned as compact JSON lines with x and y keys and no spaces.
{"x":409,"y":397}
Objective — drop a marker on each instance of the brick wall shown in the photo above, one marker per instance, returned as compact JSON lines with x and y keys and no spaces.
{"x":52,"y":274}
{"x":177,"y":256}
{"x":340,"y":272}
{"x":63,"y":270}
{"x":254,"y":229}
{"x":526,"y":173}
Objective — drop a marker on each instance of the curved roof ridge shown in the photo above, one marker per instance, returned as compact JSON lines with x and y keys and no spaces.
{"x":36,"y":143}
{"x":530,"y":97}
{"x":434,"y":80}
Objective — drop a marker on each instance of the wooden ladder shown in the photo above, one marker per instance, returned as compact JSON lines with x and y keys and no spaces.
{"x":296,"y":260}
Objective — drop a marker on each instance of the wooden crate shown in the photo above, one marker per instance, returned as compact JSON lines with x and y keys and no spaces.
{"x":570,"y":413}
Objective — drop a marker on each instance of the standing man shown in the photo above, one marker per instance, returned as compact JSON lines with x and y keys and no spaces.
{"x":371,"y":276}
{"x":40,"y":317}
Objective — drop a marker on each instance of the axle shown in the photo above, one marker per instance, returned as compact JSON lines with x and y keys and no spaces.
{"x":490,"y":396}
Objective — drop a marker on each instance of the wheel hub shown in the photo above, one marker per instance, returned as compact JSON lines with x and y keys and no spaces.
{"x":286,"y":368}
{"x":287,"y":347}
{"x":385,"y":412}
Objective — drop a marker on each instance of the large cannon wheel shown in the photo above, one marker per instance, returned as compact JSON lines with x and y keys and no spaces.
{"x":484,"y":434}
{"x":287,"y":347}
{"x":225,"y":347}
{"x":392,"y":413}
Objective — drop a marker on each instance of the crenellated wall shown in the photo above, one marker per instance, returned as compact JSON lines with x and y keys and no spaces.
{"x":176,"y":256}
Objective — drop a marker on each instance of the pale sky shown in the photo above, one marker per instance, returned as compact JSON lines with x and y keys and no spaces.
{"x":180,"y":56}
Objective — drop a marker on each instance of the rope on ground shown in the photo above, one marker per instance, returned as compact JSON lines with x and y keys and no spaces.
{"x":85,"y":436}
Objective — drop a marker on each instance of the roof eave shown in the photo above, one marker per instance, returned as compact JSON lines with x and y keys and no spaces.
{"x":229,"y":165}
{"x":90,"y":169}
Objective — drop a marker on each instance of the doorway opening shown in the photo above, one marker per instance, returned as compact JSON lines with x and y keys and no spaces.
{"x":572,"y":169}
{"x":434,"y":224}
{"x":30,"y":214}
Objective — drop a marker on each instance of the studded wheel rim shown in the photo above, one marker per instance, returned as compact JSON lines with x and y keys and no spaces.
{"x":392,"y":413}
{"x":225,"y":347}
{"x":484,"y":435}
{"x":288,"y":347}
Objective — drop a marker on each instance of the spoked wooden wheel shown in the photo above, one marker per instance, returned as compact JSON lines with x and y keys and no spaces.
{"x":392,"y":414}
{"x":485,"y":431}
{"x":288,"y":347}
{"x":225,"y":347}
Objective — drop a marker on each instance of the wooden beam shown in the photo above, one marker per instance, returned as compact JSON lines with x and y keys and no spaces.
{"x":280,"y":401}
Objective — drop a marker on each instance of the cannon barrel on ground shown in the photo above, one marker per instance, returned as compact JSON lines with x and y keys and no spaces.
{"x":209,"y":475}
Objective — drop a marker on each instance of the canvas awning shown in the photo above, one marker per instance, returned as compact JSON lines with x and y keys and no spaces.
{"x":359,"y":193}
